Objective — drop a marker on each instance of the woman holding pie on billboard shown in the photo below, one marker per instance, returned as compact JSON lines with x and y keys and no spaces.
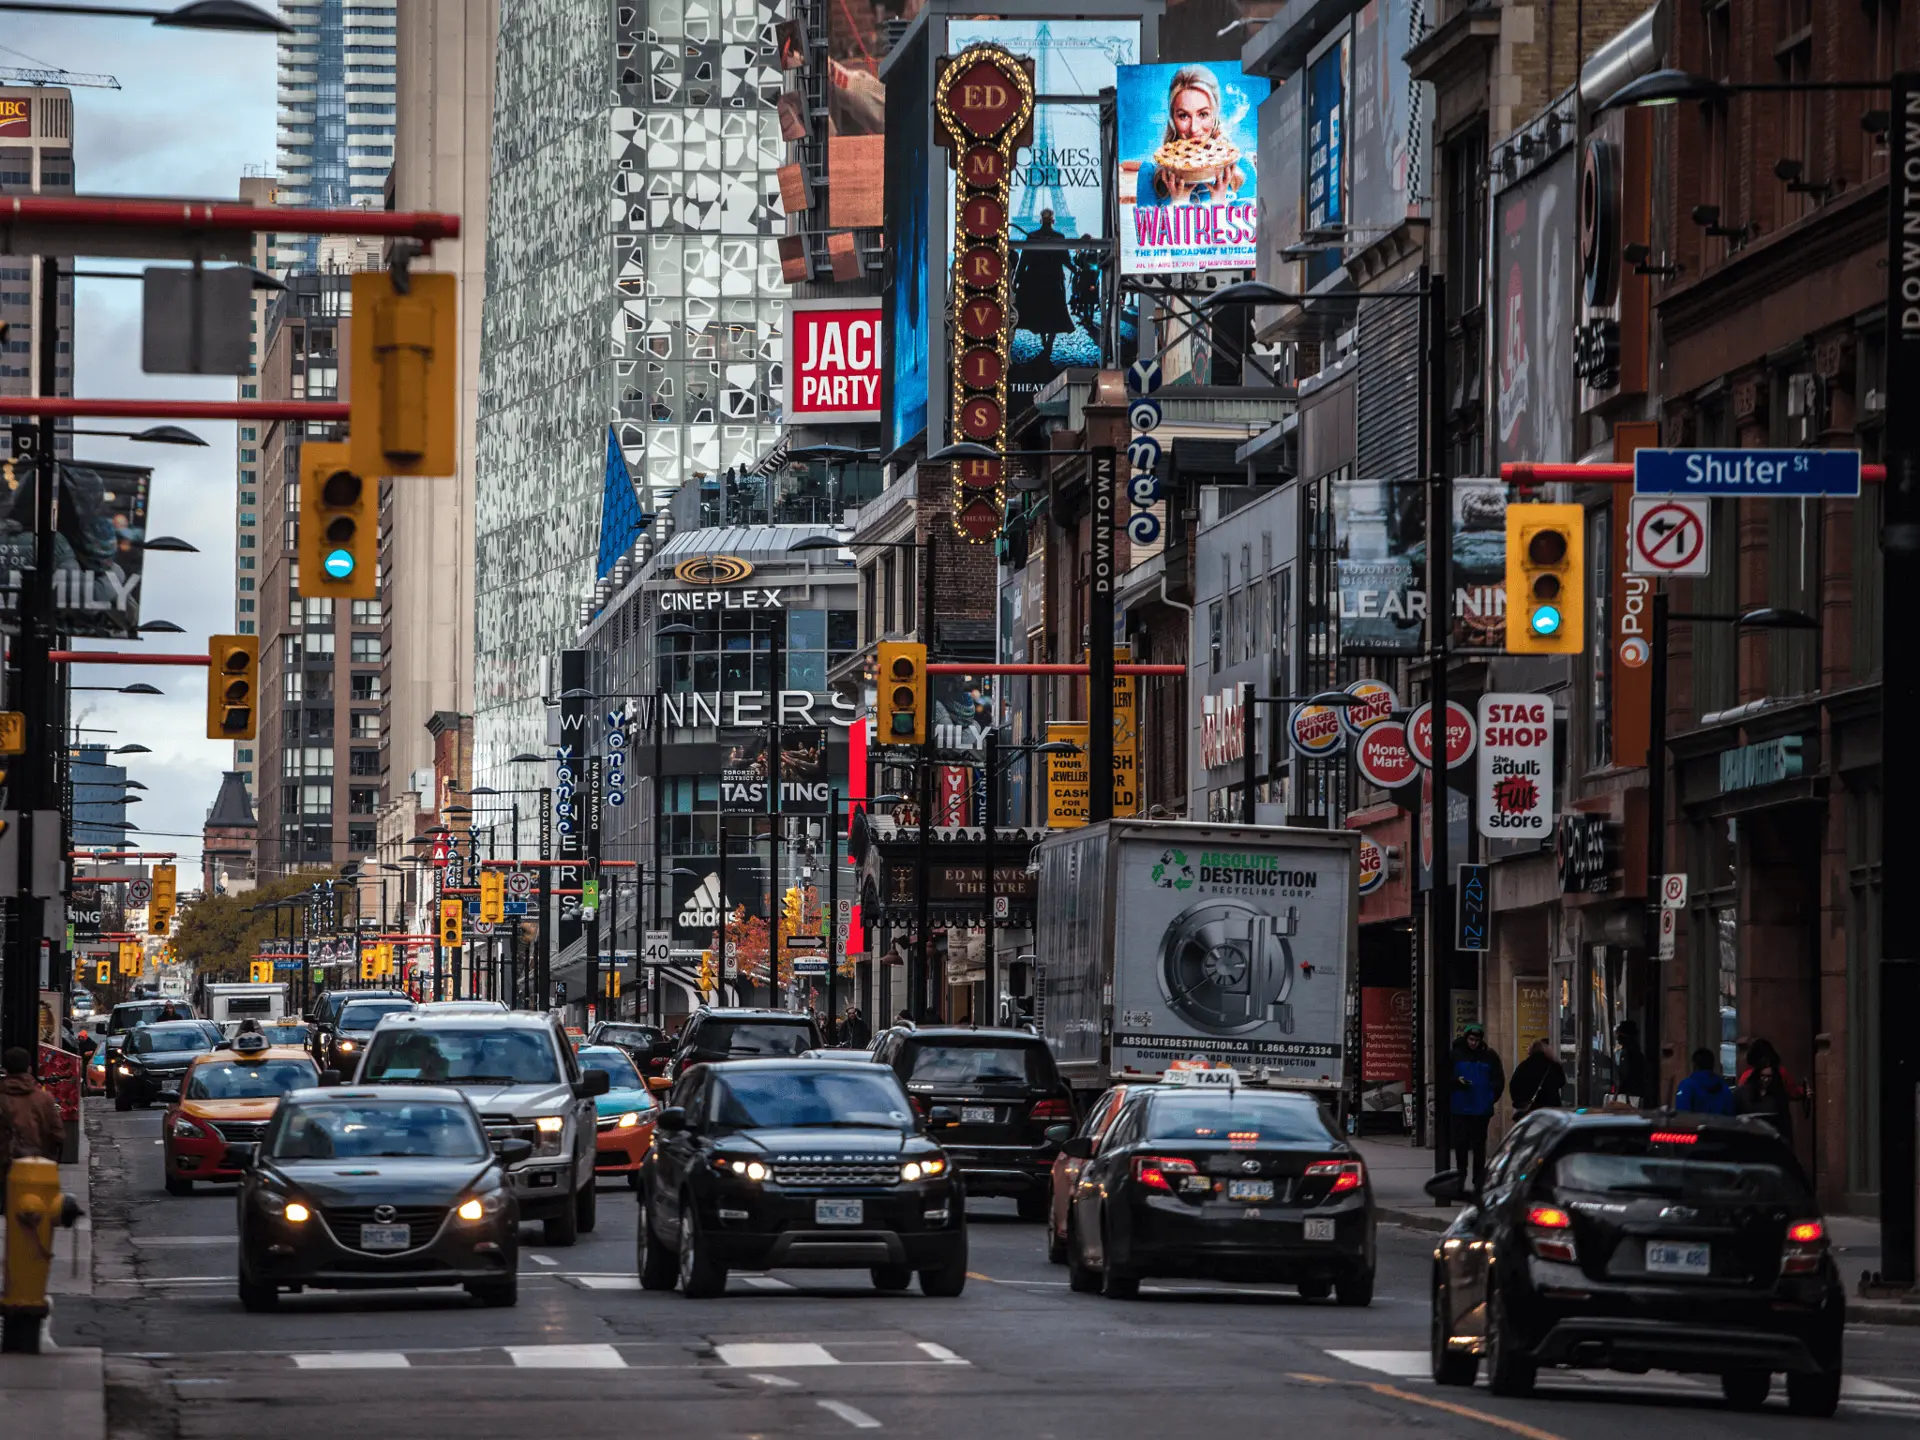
{"x":1196,"y":163}
{"x":1189,"y":202}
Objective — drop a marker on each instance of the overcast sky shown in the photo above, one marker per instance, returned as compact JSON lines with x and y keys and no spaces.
{"x":193,"y":111}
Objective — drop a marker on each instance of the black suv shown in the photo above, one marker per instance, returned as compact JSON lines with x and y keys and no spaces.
{"x":648,"y":1045}
{"x":713,"y":1033}
{"x":1004,"y":1094}
{"x":1629,"y":1242}
{"x":326,"y":1016}
{"x":796,"y":1164}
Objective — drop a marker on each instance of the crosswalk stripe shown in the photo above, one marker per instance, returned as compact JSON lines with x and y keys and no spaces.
{"x":1401,"y":1364}
{"x":566,"y":1357}
{"x":1415,"y":1365}
{"x":606,"y":1282}
{"x":766,"y":1282}
{"x":353,"y":1360}
{"x":773,"y":1355}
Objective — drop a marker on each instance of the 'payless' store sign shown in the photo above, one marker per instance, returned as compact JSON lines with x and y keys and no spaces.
{"x":833,"y":360}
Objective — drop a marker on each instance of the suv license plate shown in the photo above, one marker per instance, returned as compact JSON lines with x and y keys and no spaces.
{"x":976,"y":1114}
{"x":1320,"y":1228}
{"x":1672,"y":1259}
{"x":385,"y":1237}
{"x":1249,"y":1190}
{"x":839,"y":1212}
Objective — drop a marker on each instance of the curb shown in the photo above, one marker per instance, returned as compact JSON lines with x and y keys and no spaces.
{"x":1415,"y":1219}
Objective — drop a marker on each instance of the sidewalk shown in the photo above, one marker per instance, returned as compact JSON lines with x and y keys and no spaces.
{"x":1399,"y":1170}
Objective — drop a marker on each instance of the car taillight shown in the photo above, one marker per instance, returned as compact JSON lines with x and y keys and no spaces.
{"x":1347,"y":1174}
{"x":1549,"y":1226}
{"x":1806,"y":1243}
{"x":919,"y":1106}
{"x":1159,"y":1172}
{"x":1674,"y":1137}
{"x":1052,"y":1110}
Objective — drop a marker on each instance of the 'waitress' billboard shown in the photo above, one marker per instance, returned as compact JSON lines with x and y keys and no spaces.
{"x":1188,"y":194}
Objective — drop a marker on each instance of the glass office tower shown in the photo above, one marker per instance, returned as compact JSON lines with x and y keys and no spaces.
{"x":335,"y":141}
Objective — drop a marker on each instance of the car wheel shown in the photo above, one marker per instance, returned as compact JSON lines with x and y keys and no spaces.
{"x":1314,"y":1289}
{"x":949,"y":1279}
{"x":891,"y":1277}
{"x":700,"y":1277}
{"x":1508,"y":1372}
{"x":586,"y":1207}
{"x":497,"y":1294}
{"x":633,"y":1179}
{"x":1354,"y":1291}
{"x":1817,"y":1395}
{"x":257,"y":1297}
{"x":562,"y":1229}
{"x":1746,"y":1389}
{"x":121,"y":1102}
{"x":1115,"y":1283}
{"x":1450,"y":1366}
{"x":179,"y":1185}
{"x":659,"y":1267}
{"x":1033,"y":1206}
{"x":1082,"y":1278}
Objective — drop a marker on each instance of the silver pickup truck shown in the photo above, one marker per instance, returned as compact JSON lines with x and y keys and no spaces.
{"x":521,"y":1075}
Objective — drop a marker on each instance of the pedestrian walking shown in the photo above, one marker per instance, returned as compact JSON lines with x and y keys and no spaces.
{"x":1705,"y":1091}
{"x":1478,"y":1079}
{"x":30,"y":1123}
{"x":1538,"y":1081}
{"x":903,"y":1020}
{"x":854,"y":1027}
{"x":1631,"y":1080}
{"x":1768,"y":1089}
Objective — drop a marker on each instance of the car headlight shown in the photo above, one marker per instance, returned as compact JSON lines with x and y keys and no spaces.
{"x":745,"y":1169}
{"x":185,"y":1129}
{"x":296,"y":1212}
{"x":479,"y":1207}
{"x":922,"y":1169}
{"x":549,"y":1130}
{"x":628,"y":1120}
{"x":343,"y":1044}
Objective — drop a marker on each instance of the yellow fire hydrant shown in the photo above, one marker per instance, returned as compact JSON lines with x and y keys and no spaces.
{"x":34,"y":1206}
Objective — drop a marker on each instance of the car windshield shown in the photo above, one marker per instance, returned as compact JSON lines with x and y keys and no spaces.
{"x":620,"y":1072}
{"x":961,"y":1062}
{"x":457,"y":1055}
{"x":151,"y":1038}
{"x":258,"y":1080}
{"x":284,"y":1034}
{"x":803,"y":1099}
{"x":754,"y":1039}
{"x":365,"y":1014}
{"x":125,"y":1017}
{"x":636,"y":1035}
{"x":1671,"y":1177}
{"x":1237,"y":1116}
{"x":371,"y":1129}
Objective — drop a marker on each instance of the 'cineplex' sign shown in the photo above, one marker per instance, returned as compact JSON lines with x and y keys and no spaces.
{"x":755,"y":599}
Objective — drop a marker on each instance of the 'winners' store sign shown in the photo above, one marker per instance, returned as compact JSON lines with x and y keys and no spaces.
{"x":833,"y":360}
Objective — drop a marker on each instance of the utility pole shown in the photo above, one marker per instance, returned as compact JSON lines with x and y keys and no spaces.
{"x":920,"y":964}
{"x":1433,"y":338}
{"x":1103,"y":480}
{"x":833,"y":912}
{"x":593,"y":887}
{"x":543,"y":934}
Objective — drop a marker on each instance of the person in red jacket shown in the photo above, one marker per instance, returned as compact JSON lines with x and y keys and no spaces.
{"x":1768,"y":1089}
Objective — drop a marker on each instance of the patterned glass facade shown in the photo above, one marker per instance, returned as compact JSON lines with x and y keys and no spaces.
{"x":633,"y":280}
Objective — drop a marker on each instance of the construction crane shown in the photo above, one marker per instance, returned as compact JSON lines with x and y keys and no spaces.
{"x":13,"y":75}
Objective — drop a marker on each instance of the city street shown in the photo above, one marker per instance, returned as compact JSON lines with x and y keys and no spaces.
{"x":795,"y":1354}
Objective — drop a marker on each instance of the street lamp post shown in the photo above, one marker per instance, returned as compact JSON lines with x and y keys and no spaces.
{"x":991,"y":780}
{"x":1249,"y":711}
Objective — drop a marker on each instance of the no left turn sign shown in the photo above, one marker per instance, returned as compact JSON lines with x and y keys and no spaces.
{"x":1668,"y":536}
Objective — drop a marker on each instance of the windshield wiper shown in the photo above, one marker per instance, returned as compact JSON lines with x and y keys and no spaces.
{"x":490,"y":1080}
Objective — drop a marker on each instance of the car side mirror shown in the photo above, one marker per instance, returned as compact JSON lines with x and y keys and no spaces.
{"x":1058,"y":1134}
{"x":591,"y":1083}
{"x":1447,"y":1188}
{"x":169,"y":1097}
{"x":659,"y":1084}
{"x":1080,"y":1147}
{"x":513,"y":1151}
{"x":943,"y":1115}
{"x":329,"y":1077}
{"x":223,"y":1044}
{"x":242,"y":1156}
{"x":672,"y":1120}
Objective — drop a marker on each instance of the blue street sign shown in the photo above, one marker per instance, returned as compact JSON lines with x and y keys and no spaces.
{"x":809,"y":965}
{"x":1770,"y":474}
{"x":509,"y":907}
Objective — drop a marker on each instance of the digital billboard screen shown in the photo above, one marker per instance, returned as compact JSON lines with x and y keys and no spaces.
{"x":1189,"y":195}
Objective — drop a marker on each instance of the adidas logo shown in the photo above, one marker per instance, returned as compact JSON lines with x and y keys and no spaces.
{"x":702,"y":910}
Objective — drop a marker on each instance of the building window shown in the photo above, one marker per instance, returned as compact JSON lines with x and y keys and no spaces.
{"x":245,"y":754}
{"x":290,"y":650}
{"x":246,"y":627}
{"x":360,"y":838}
{"x":247,"y":540}
{"x":366,"y":612}
{"x":320,"y":612}
{"x":316,"y":799}
{"x":365,"y":726}
{"x":363,"y":762}
{"x":246,"y":606}
{"x":366,"y":650}
{"x":363,"y":687}
{"x":362,"y":802}
{"x":1216,"y":616}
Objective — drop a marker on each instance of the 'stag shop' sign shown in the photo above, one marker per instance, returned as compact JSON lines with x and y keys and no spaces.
{"x":1514,"y":796}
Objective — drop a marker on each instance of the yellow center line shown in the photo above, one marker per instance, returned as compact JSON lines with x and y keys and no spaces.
{"x":976,"y":1275}
{"x":1512,"y":1427}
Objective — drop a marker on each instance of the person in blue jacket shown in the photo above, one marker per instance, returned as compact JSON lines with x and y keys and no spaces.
{"x":1705,"y":1091}
{"x":1478,"y":1080}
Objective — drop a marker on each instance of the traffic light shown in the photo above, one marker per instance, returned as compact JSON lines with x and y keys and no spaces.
{"x":493,"y":897}
{"x":260,"y":971}
{"x":339,"y":525}
{"x":708,"y":979}
{"x":160,"y":907}
{"x":233,"y":686}
{"x":383,"y":960}
{"x":903,"y":692}
{"x":613,"y":983}
{"x":369,"y":963}
{"x":103,"y":973}
{"x":451,"y":914}
{"x":791,"y":916}
{"x":129,"y":957}
{"x":1546,"y":569}
{"x":403,"y":411}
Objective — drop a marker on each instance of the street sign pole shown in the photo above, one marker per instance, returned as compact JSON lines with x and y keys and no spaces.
{"x":1657,"y":919}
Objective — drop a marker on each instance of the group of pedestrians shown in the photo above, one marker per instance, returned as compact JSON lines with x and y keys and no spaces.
{"x":1765,"y":1088}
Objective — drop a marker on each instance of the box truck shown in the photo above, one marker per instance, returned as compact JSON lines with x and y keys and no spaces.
{"x":227,"y":1003}
{"x":1164,"y":941}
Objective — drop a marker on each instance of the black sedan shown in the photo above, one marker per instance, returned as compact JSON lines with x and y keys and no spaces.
{"x":1221,"y":1182}
{"x":797,"y":1163}
{"x":1631,"y":1242}
{"x":377,"y":1187}
{"x":347,"y":1041}
{"x":155,"y":1058}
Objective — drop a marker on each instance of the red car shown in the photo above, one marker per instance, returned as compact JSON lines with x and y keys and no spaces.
{"x":227,"y":1098}
{"x":1066,"y":1170}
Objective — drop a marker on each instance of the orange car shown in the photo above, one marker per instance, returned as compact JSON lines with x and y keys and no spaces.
{"x":626,"y":1113}
{"x":227,"y":1098}
{"x":1066,"y":1171}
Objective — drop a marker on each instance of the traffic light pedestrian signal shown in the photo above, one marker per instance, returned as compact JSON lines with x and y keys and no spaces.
{"x":493,"y":897}
{"x":260,"y":971}
{"x":1546,"y":570}
{"x":103,"y":973}
{"x":450,"y":918}
{"x":233,"y":686}
{"x":339,"y":525}
{"x":903,"y":692}
{"x":708,"y":978}
{"x":403,"y":412}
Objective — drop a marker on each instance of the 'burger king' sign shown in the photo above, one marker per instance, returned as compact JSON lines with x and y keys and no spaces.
{"x":1373,"y":866}
{"x":1315,"y":731}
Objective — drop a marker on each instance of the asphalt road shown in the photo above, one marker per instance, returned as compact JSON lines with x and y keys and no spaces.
{"x":797,"y":1354}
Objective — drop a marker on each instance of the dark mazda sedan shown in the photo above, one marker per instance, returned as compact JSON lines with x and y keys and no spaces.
{"x":1202,"y":1177}
{"x":377,"y":1187}
{"x":817,"y":1164}
{"x":1633,"y":1242}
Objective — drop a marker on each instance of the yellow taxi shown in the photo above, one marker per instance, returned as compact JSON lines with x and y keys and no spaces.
{"x":227,"y":1098}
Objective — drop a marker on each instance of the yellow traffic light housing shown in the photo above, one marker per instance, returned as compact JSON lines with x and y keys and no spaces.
{"x":339,"y":525}
{"x":382,"y":960}
{"x":493,"y":897}
{"x":103,"y":973}
{"x":451,"y":917}
{"x":708,"y":977}
{"x":903,"y":692}
{"x":402,"y":394}
{"x":260,"y":971}
{"x":160,"y":908}
{"x":1546,"y":579}
{"x":613,"y":983}
{"x":129,"y":957}
{"x":233,"y":686}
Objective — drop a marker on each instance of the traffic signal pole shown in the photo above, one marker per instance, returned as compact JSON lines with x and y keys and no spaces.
{"x":920,"y":967}
{"x":1433,"y":339}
